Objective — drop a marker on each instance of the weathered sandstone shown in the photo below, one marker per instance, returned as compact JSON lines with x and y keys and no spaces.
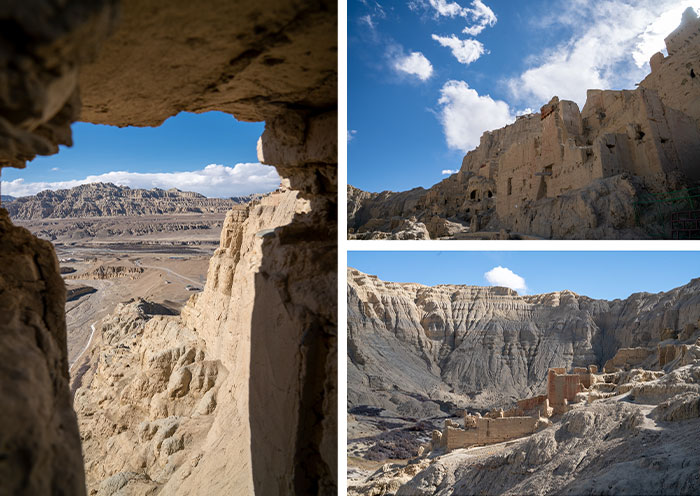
{"x":422,"y":351}
{"x":39,"y":438}
{"x":177,"y":391}
{"x":100,"y":200}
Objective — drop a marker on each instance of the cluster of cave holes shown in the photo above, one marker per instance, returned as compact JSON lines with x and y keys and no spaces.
{"x":473,"y":195}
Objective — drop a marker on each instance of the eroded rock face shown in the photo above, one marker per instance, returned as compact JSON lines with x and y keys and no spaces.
{"x":417,"y":350}
{"x":39,"y":439}
{"x":183,"y":393}
{"x":252,"y":60}
{"x":107,"y":199}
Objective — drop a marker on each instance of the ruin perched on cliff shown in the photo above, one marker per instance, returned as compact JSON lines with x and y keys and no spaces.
{"x":566,"y":172}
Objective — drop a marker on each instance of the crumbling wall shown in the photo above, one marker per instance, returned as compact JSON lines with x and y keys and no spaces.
{"x":562,"y":388}
{"x":565,"y":173}
{"x":626,"y":358}
{"x":676,"y":78}
{"x":489,"y":431}
{"x":685,"y":34}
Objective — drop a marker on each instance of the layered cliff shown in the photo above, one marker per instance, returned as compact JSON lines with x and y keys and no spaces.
{"x":417,"y":350}
{"x":107,"y":199}
{"x":174,"y":404}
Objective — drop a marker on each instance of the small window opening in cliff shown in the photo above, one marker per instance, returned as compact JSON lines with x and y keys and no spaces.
{"x":510,"y":185}
{"x":692,"y":73}
{"x":472,"y":195}
{"x":142,"y":207}
{"x":489,"y":194}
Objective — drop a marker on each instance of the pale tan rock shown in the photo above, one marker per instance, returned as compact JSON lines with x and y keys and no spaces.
{"x":406,"y":339}
{"x":107,"y":199}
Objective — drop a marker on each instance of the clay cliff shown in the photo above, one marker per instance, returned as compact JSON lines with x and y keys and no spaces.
{"x":107,"y":199}
{"x":163,"y":402}
{"x":564,"y":172}
{"x":421,"y":351}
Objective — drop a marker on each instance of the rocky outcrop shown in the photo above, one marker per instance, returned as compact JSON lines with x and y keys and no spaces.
{"x":629,"y":431}
{"x":39,"y":442}
{"x":420,"y":351}
{"x":109,"y":272}
{"x":107,"y":199}
{"x":180,"y":392}
{"x":566,"y":172}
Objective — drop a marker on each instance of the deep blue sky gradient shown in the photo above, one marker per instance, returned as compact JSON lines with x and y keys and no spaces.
{"x":399,"y":142}
{"x":602,"y":275}
{"x":184,"y":142}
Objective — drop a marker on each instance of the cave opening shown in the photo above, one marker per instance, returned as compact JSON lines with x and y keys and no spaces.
{"x":136,"y":211}
{"x":268,"y":395}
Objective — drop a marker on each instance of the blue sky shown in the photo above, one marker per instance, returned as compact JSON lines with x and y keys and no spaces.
{"x":427,"y":77}
{"x":601,"y":275}
{"x":211,"y":153}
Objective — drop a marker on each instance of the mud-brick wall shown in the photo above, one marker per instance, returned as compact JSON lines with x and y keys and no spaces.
{"x":489,"y":431}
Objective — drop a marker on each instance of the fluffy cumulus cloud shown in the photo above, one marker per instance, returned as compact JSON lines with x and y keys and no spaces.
{"x":351,"y":134}
{"x":611,"y":44}
{"x":213,"y":181}
{"x":503,"y":276}
{"x":465,"y":51}
{"x":449,"y":172}
{"x":465,"y":114}
{"x":415,"y":64}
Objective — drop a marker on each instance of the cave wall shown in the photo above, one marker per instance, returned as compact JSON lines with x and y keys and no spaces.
{"x":138,"y":62}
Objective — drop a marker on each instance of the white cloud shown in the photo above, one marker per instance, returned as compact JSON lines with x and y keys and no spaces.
{"x":448,"y":9}
{"x":367,"y":19}
{"x":351,"y":134}
{"x":415,"y":64}
{"x":480,"y":15}
{"x":213,"y":181}
{"x":465,"y":51}
{"x":652,"y":40}
{"x":54,"y":169}
{"x":502,"y":276}
{"x":375,"y":11}
{"x":449,"y":172}
{"x":483,"y":17}
{"x":610,"y":45}
{"x":465,"y":114}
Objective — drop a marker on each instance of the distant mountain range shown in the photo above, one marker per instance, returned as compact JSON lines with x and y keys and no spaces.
{"x":6,"y":198}
{"x":107,"y":199}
